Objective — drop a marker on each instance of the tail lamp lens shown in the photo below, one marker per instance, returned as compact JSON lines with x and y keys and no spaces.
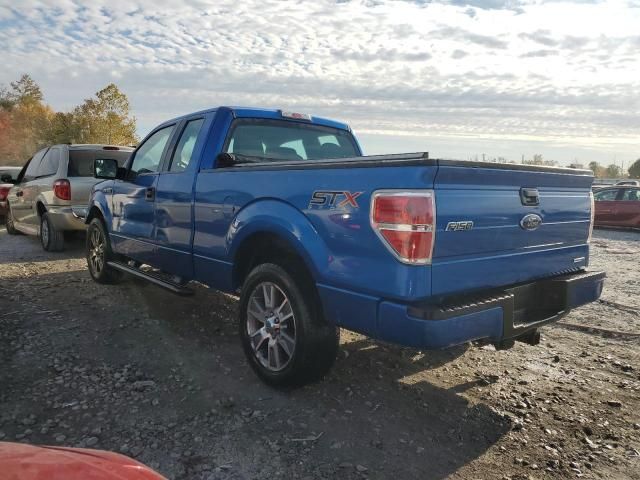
{"x":405,"y":221}
{"x":4,"y":191}
{"x":62,"y":189}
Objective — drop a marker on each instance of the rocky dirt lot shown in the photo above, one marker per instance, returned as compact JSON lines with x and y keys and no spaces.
{"x":133,"y":369}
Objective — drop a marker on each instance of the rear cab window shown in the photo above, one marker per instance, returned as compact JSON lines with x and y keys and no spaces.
{"x":279,"y":140}
{"x":81,"y":161}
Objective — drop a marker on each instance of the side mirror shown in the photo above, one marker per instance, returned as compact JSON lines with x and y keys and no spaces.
{"x":6,"y":178}
{"x":107,"y":169}
{"x":225,"y":160}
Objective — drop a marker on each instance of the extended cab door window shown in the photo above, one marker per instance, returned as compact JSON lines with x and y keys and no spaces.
{"x":183,"y":153}
{"x":148,"y":157}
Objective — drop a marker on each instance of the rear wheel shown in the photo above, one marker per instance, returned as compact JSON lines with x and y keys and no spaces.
{"x":285,"y":338}
{"x":99,"y":253}
{"x":11,"y":228}
{"x":52,"y":239}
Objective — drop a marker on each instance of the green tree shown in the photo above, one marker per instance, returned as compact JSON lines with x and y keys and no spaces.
{"x":634,"y":169}
{"x":26,"y":90}
{"x":24,"y":119}
{"x":597,"y":169}
{"x":106,"y":119}
{"x":613,"y":171}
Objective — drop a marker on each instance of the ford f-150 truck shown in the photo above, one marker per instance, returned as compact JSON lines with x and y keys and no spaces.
{"x":284,"y":209}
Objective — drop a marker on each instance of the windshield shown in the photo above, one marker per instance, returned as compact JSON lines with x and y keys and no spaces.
{"x":276,"y":140}
{"x":81,"y":161}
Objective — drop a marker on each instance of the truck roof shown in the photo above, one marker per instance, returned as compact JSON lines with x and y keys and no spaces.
{"x":255,"y":112}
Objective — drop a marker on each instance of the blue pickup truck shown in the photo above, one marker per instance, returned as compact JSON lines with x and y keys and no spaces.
{"x":284,"y":209}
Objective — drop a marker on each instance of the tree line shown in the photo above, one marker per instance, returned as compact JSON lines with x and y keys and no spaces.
{"x":615,"y":171}
{"x":28,"y":124}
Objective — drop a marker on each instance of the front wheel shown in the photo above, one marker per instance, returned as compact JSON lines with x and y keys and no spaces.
{"x":11,"y":228}
{"x":285,"y":338}
{"x":99,"y":253}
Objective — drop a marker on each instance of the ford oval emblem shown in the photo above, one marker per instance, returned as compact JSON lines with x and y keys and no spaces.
{"x":531,"y":221}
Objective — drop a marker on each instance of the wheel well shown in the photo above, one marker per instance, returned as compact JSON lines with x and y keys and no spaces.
{"x":265,"y":248}
{"x":94,"y":213}
{"x":41,"y":209}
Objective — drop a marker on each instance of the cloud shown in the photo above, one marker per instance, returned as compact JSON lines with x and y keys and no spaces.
{"x":458,"y":69}
{"x":539,"y":53}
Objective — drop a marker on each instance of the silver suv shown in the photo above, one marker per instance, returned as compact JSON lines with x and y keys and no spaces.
{"x":51,"y":193}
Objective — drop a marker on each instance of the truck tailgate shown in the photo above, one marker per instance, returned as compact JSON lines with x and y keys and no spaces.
{"x":503,"y":246}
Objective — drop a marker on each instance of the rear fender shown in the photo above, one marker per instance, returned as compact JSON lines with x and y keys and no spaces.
{"x":288,"y":223}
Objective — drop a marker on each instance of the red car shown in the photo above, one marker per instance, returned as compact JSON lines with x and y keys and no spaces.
{"x":29,"y":462}
{"x":617,"y":207}
{"x":8,"y":176}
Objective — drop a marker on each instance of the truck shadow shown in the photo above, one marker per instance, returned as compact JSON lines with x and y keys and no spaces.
{"x":376,"y":408}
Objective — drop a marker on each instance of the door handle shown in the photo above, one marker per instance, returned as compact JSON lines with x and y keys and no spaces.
{"x":150,"y":194}
{"x":19,"y":193}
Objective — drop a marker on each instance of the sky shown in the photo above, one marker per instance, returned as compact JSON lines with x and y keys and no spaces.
{"x":457,"y":78}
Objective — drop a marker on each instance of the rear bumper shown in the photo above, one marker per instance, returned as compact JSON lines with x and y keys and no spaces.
{"x":497,"y":317}
{"x":67,"y":217}
{"x":4,"y":208}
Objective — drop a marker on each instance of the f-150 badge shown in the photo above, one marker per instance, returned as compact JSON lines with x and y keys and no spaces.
{"x":334,"y":199}
{"x":459,"y":226}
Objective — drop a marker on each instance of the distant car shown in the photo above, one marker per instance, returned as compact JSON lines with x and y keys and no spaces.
{"x":634,"y":183}
{"x":617,"y":206}
{"x":52,"y":190}
{"x":12,"y":172}
{"x":8,"y":176}
{"x":31,"y":462}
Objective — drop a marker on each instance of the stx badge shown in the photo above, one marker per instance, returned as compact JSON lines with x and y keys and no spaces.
{"x":334,"y":199}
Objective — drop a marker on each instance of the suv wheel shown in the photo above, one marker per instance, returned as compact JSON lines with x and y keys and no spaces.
{"x":283,"y":335}
{"x":99,"y":253}
{"x":11,"y":228}
{"x":52,"y":240}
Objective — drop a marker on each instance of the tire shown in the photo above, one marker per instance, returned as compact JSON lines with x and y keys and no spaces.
{"x":11,"y":229}
{"x":98,"y":253}
{"x":52,"y":240}
{"x":283,"y":334}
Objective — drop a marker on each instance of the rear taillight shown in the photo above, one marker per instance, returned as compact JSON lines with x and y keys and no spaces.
{"x":62,"y":189}
{"x":405,"y":221}
{"x":593,"y":214}
{"x":4,"y":191}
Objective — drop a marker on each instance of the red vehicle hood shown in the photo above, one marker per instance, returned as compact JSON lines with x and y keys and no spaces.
{"x":30,"y":462}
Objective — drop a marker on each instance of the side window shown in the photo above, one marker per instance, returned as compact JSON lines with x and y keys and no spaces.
{"x":149,"y":155}
{"x":184,"y":150}
{"x":606,"y":195}
{"x":631,"y":195}
{"x":49,"y":164}
{"x":30,"y":172}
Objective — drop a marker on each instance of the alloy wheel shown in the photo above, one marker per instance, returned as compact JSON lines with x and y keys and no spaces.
{"x":271,"y":326}
{"x":96,"y":250}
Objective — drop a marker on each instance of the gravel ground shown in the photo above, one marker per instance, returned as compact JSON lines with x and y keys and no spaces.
{"x":133,"y":369}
